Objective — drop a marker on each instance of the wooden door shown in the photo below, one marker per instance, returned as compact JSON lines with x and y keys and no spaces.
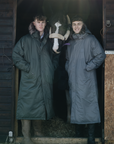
{"x":7,"y":39}
{"x":108,"y":39}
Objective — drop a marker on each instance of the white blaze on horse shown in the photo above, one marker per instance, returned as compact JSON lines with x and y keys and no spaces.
{"x":61,"y":28}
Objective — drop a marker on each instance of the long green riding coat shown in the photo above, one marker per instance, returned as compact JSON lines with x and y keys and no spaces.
{"x":37,"y":61}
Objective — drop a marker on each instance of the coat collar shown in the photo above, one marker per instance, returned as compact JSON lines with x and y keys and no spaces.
{"x":82,"y":35}
{"x":35,"y":34}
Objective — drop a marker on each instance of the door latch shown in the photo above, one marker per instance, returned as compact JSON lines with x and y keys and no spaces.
{"x":108,"y":23}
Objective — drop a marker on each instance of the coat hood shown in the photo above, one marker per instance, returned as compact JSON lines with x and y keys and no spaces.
{"x":32,"y":28}
{"x":35,"y":33}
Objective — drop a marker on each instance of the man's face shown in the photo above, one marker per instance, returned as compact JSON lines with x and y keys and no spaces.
{"x":77,"y":26}
{"x":39,"y":25}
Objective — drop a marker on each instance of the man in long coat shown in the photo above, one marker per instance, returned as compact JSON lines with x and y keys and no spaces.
{"x":33,"y":55}
{"x":84,"y":56}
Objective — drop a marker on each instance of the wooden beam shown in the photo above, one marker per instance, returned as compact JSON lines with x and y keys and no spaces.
{"x":16,"y":98}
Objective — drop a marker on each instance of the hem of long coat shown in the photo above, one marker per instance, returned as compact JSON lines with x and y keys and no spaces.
{"x":31,"y":118}
{"x":85,"y":122}
{"x":34,"y":118}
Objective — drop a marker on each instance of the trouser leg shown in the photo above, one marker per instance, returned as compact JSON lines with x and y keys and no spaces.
{"x":91,"y":137}
{"x":68,"y":105}
{"x":26,"y":124}
{"x":37,"y":126}
{"x":79,"y":128}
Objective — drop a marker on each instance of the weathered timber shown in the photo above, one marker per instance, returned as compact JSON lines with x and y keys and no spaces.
{"x":110,"y":46}
{"x":5,"y":60}
{"x":110,"y":37}
{"x":6,"y":14}
{"x":5,"y":130}
{"x":6,"y":29}
{"x":110,"y":30}
{"x":6,"y":1}
{"x":5,"y":68}
{"x":5,"y":107}
{"x":7,"y":40}
{"x":5,"y":91}
{"x":104,"y":24}
{"x":6,"y":51}
{"x":5,"y":115}
{"x":110,"y":14}
{"x":6,"y":6}
{"x":6,"y":37}
{"x":110,"y":6}
{"x":5,"y":99}
{"x":16,"y":98}
{"x":5,"y":123}
{"x":6,"y":44}
{"x":5,"y":83}
{"x":6,"y":22}
{"x":5,"y":75}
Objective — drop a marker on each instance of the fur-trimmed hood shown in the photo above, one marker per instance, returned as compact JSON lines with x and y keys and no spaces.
{"x":32,"y":28}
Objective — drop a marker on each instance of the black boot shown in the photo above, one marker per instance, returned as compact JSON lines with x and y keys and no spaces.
{"x":91,"y":137}
{"x":79,"y":130}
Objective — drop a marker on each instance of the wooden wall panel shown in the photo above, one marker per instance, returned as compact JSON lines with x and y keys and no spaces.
{"x":4,"y":130}
{"x":5,"y":123}
{"x":6,"y":22}
{"x":5,"y":91}
{"x":7,"y":41}
{"x":5,"y":99}
{"x":5,"y":60}
{"x":6,"y":44}
{"x":5,"y":115}
{"x":108,"y":12}
{"x":5,"y":107}
{"x":6,"y":51}
{"x":108,"y":39}
{"x":6,"y":30}
{"x":6,"y":14}
{"x":5,"y":83}
{"x":5,"y":76}
{"x":6,"y":37}
{"x":6,"y":6}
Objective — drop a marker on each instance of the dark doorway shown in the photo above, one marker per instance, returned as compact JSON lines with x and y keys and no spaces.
{"x":91,"y":12}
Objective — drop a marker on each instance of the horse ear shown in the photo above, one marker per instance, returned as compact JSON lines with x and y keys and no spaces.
{"x":68,"y":31}
{"x":50,"y":31}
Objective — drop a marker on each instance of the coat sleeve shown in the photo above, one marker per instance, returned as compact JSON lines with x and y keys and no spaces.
{"x":18,"y":57}
{"x":97,"y":53}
